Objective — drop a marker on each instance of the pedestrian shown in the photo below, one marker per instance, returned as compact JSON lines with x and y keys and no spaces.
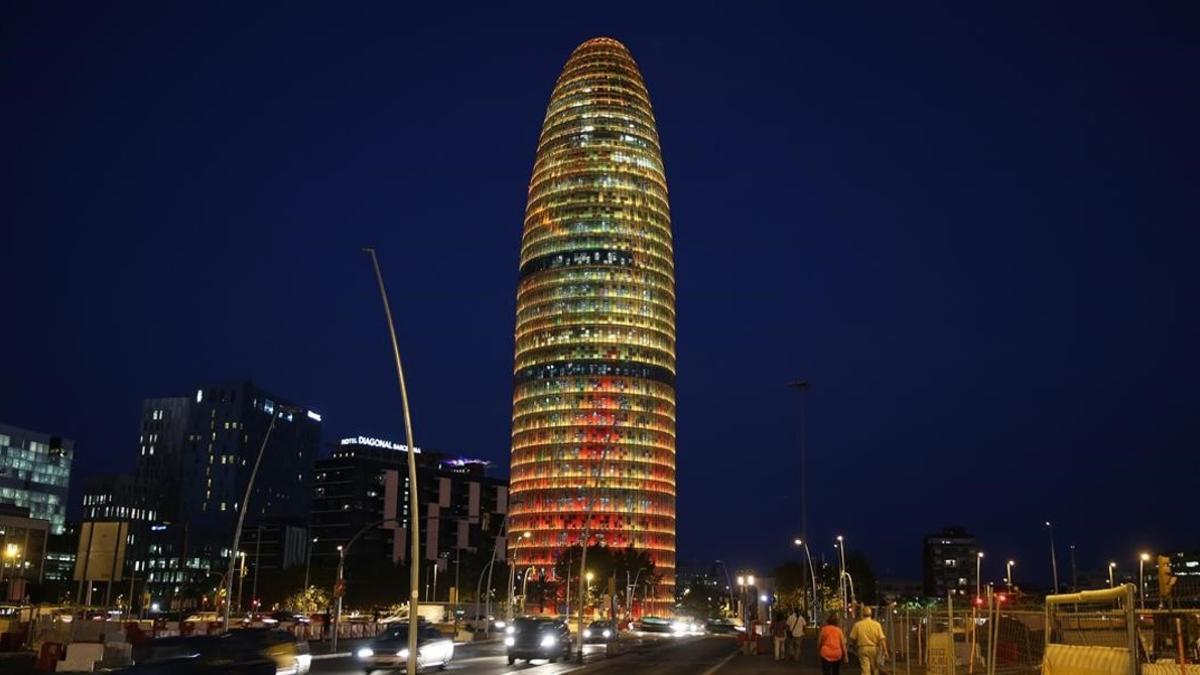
{"x":868,"y":636}
{"x":779,"y":634}
{"x":796,"y":625}
{"x":831,"y":645}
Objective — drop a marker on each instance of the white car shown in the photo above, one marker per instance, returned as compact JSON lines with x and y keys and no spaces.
{"x":389,"y":650}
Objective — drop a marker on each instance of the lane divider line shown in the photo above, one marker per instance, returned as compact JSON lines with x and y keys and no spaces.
{"x":720,"y":665}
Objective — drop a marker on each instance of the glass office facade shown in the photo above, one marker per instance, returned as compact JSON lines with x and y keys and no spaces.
{"x":594,"y":371}
{"x":35,"y":470}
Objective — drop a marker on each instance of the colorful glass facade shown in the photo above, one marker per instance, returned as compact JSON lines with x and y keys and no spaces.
{"x":594,"y":372}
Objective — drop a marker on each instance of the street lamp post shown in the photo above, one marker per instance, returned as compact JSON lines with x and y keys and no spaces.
{"x":841,"y":547}
{"x":241,"y":579}
{"x":512,"y":583}
{"x":802,"y":386}
{"x":339,"y":584}
{"x":812,"y":572}
{"x":728,"y":584}
{"x":1074,"y":575}
{"x":237,"y":531}
{"x":414,"y":575}
{"x":978,"y":564}
{"x":1053,"y":558}
{"x":1112,"y":567}
{"x":1008,"y":573}
{"x":308,"y":562}
{"x":1142,"y":579}
{"x":587,"y":531}
{"x":630,"y":587}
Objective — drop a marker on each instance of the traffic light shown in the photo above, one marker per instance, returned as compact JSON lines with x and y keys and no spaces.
{"x":1166,"y":580}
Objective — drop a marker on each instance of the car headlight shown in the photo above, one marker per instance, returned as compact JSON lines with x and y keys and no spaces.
{"x":510,"y":630}
{"x":678,"y":627}
{"x":365,"y":652}
{"x":587,"y":632}
{"x":510,"y":641}
{"x":500,"y":624}
{"x":607,"y":633}
{"x":549,"y":641}
{"x":403,"y":653}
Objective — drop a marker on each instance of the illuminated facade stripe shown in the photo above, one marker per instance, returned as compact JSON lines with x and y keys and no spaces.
{"x":594,"y":368}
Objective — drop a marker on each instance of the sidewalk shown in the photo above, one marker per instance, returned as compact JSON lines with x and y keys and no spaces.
{"x":765,"y":664}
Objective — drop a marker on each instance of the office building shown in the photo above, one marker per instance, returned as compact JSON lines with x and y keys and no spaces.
{"x":949,"y":563}
{"x":161,"y":442}
{"x":117,"y":497}
{"x":226,"y":425}
{"x":365,"y":480}
{"x":594,"y":365}
{"x":35,"y":471}
{"x":23,"y":542}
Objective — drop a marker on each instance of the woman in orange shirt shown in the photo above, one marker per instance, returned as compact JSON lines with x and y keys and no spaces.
{"x":831,"y":645}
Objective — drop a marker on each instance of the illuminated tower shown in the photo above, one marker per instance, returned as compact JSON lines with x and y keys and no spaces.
{"x":594,"y":372}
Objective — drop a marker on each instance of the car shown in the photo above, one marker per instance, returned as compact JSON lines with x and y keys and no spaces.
{"x":389,"y":649}
{"x":600,"y":631}
{"x":531,"y":638}
{"x":291,"y":656}
{"x":655,"y":624}
{"x":721,"y":627}
{"x":200,"y":655}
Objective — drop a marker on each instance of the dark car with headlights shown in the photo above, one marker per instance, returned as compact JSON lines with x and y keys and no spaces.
{"x":655,"y":624}
{"x":531,"y":638}
{"x":721,"y":627}
{"x":200,"y":655}
{"x":600,"y":631}
{"x":389,"y":649}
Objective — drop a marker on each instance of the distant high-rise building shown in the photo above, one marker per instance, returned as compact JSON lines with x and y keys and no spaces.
{"x":594,"y":371}
{"x":116,"y":497}
{"x":160,"y":453}
{"x":949,"y":562}
{"x":35,"y":472}
{"x":226,"y":424}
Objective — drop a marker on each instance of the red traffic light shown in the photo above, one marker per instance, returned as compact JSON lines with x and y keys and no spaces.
{"x":1002,"y":598}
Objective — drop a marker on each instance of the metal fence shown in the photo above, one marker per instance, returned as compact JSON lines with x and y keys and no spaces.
{"x":1092,"y":633}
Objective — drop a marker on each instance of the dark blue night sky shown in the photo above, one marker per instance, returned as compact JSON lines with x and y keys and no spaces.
{"x":974,"y":229}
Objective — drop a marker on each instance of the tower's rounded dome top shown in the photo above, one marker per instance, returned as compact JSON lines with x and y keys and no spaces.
{"x":602,"y":41}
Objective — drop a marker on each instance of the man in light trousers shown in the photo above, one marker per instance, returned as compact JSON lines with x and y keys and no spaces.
{"x":796,"y":624}
{"x":868,"y":636}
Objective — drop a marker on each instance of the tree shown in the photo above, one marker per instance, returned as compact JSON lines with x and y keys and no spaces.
{"x":311,"y":600}
{"x":605,"y":563}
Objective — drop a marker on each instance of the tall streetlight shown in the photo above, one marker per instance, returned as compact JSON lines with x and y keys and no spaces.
{"x":1112,"y":567}
{"x":1008,"y":573}
{"x":512,"y":581}
{"x":308,"y":561}
{"x":1053,"y":559}
{"x":841,"y":547}
{"x":587,"y":533}
{"x":414,"y":539}
{"x":978,"y":564}
{"x":812,"y":609}
{"x":339,"y":583}
{"x":244,"y":505}
{"x":728,"y":584}
{"x":802,"y":386}
{"x":1142,"y":579}
{"x":1074,"y":575}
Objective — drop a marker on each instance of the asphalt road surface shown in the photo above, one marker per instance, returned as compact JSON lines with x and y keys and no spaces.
{"x":650,"y":655}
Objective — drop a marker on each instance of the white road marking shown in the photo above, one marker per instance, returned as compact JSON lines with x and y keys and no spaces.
{"x":717,"y":667}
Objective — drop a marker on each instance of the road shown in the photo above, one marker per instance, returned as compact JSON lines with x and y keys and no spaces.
{"x":649,"y":655}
